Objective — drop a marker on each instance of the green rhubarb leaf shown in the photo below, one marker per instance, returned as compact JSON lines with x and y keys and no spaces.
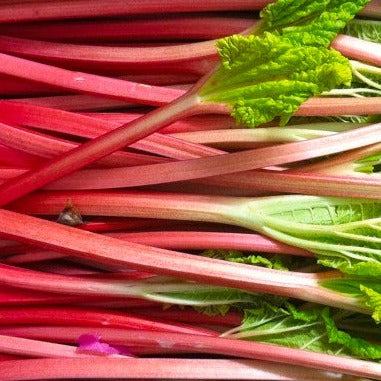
{"x":370,"y":164}
{"x":279,"y":326}
{"x":373,"y":301}
{"x":272,"y":73}
{"x":369,"y":30}
{"x":343,"y":233}
{"x":266,"y":77}
{"x":355,"y":346}
{"x":271,"y":262}
{"x":202,"y":297}
{"x":314,"y":329}
{"x":308,"y":22}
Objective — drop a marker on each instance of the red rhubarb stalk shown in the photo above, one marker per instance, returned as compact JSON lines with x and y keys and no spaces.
{"x":100,"y":147}
{"x":78,"y":102}
{"x":178,"y":240}
{"x":296,"y":183}
{"x":221,"y":164}
{"x":180,"y":368}
{"x":10,"y":296}
{"x":91,"y":317}
{"x":178,"y":27}
{"x":16,"y":158}
{"x":36,"y":348}
{"x":38,"y":144}
{"x":56,"y":9}
{"x":152,"y":368}
{"x":197,"y":58}
{"x":87,"y":83}
{"x":358,"y":49}
{"x":190,"y":343}
{"x":209,"y":240}
{"x":112,"y":251}
{"x":90,"y":127}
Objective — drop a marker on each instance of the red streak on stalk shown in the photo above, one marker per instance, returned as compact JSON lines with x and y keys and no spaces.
{"x":108,"y":225}
{"x":91,"y":317}
{"x":4,"y":357}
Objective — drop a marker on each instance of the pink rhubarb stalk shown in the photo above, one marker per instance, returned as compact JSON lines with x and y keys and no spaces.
{"x":10,"y":296}
{"x":196,"y":58}
{"x":112,"y":251}
{"x":87,"y":83}
{"x":178,"y":27}
{"x":222,"y":164}
{"x":152,"y":368}
{"x":100,"y":147}
{"x":42,"y":145}
{"x":92,"y":317}
{"x":56,"y":9}
{"x":178,"y":240}
{"x":36,"y":348}
{"x":180,"y":368}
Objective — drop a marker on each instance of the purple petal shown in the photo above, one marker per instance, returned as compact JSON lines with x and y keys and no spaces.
{"x":90,"y":343}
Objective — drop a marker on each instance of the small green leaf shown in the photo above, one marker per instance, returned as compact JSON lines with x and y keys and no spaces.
{"x":357,"y":347}
{"x":369,"y":30}
{"x":373,"y":301}
{"x":271,"y":262}
{"x":343,"y":233}
{"x":268,"y":76}
{"x":313,"y":328}
{"x":306,"y":22}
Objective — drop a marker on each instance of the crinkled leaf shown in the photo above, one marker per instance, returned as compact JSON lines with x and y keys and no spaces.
{"x":267,"y":77}
{"x":308,"y":22}
{"x":314,"y":329}
{"x":343,"y":233}
{"x":271,"y":262}
{"x":207,"y":296}
{"x":369,"y":30}
{"x":355,"y":346}
{"x":373,"y":301}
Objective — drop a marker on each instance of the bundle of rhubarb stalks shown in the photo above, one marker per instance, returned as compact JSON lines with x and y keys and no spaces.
{"x":190,"y":190}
